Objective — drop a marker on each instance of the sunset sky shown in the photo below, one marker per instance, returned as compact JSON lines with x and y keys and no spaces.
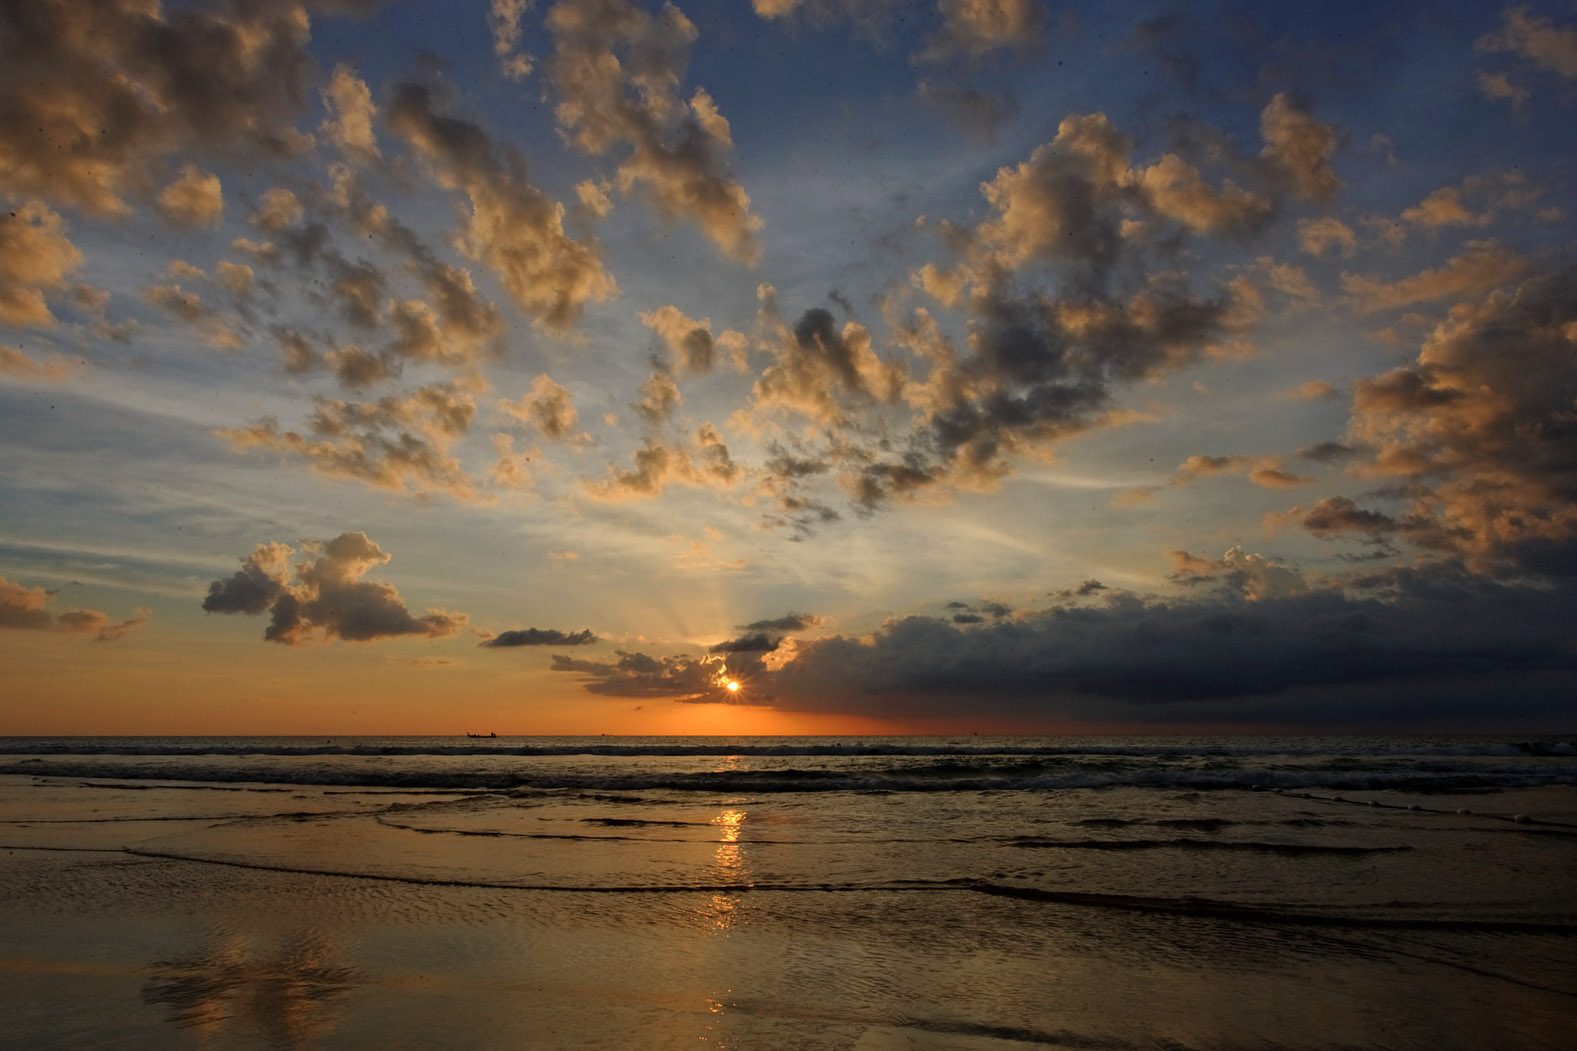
{"x":946,"y":366}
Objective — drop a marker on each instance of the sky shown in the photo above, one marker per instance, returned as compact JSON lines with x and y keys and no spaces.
{"x":787,"y":366}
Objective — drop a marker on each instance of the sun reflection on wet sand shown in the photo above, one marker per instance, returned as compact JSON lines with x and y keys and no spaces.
{"x":288,"y":994}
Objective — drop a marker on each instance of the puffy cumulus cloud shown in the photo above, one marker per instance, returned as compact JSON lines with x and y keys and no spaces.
{"x":511,"y":225}
{"x":1298,"y":149}
{"x":1059,"y":202}
{"x":27,"y":609}
{"x":1482,"y":266}
{"x":398,"y":443}
{"x":195,"y":198}
{"x":539,"y":637}
{"x":1535,"y":38}
{"x":94,"y":96}
{"x":1304,"y":657}
{"x":35,"y":259}
{"x":820,"y":369}
{"x":684,"y":678}
{"x":691,"y":342}
{"x":617,"y":70}
{"x":547,"y":406}
{"x":973,"y":28}
{"x":324,"y":594}
{"x":349,"y":125}
{"x":1479,"y":429}
{"x":503,"y":18}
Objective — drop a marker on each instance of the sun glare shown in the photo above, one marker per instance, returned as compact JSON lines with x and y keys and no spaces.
{"x":733,"y":687}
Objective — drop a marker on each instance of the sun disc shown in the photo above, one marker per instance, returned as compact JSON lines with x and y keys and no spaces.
{"x":733,"y":687}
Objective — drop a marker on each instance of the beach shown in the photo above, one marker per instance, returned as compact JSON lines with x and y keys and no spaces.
{"x":795,"y":893}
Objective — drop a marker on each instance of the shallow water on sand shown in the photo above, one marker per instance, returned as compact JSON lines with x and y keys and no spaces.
{"x":171,"y":911}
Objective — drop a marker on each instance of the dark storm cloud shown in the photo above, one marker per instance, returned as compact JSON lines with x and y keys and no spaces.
{"x":327,"y":595}
{"x":759,"y":643}
{"x":1440,"y":639}
{"x":539,"y":637}
{"x":789,"y":622}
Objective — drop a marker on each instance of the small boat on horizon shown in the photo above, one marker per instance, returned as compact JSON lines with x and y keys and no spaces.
{"x":489,"y":734}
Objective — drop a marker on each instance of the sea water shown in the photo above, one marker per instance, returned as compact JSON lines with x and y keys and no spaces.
{"x":788,"y":892}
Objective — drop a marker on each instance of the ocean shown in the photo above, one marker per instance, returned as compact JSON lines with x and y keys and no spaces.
{"x":778,"y":893}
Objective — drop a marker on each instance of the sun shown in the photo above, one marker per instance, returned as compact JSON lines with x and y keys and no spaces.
{"x":732,"y":686}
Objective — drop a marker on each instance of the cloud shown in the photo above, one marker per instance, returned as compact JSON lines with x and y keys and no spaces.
{"x":1535,"y":38}
{"x":20,"y":366}
{"x":1316,"y":235}
{"x":324,"y":594}
{"x":35,"y":258}
{"x":690,"y":341}
{"x":702,"y":461}
{"x":1335,"y":516}
{"x":349,"y":125}
{"x":757,"y":643}
{"x":1309,"y":390}
{"x":503,"y":18}
{"x":539,"y":637}
{"x":1443,"y":207}
{"x":193,"y":199}
{"x":26,"y":609}
{"x":510,"y":225}
{"x":1501,"y":86}
{"x":617,"y":71}
{"x":1480,"y":429}
{"x":398,"y":443}
{"x":548,"y":406}
{"x":1298,"y":149}
{"x":94,"y":97}
{"x":679,"y":678}
{"x":789,"y":622}
{"x":820,"y":369}
{"x":659,"y":398}
{"x":1482,"y":266}
{"x":1177,"y":190}
{"x":1292,"y":658}
{"x":973,"y":28}
{"x":1264,"y":471}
